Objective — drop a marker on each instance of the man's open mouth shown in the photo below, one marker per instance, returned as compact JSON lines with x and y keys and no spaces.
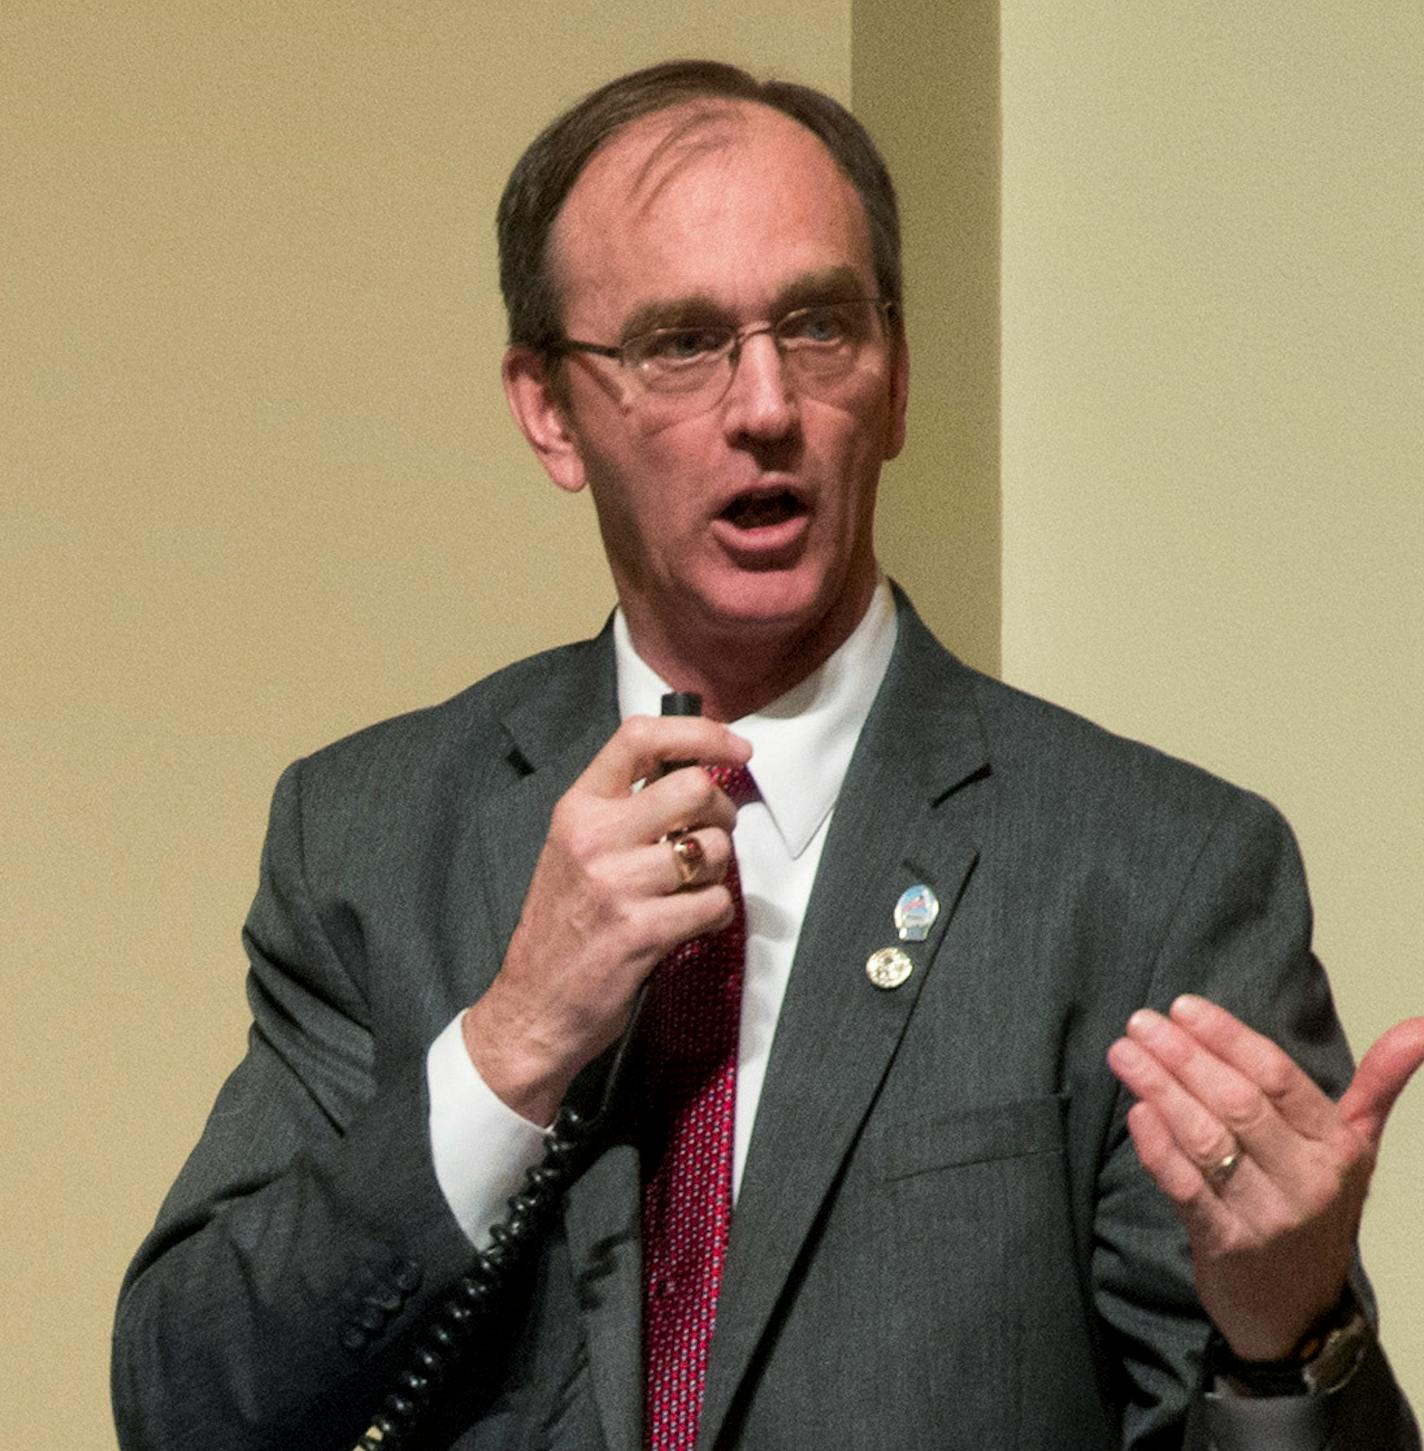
{"x":760,"y":511}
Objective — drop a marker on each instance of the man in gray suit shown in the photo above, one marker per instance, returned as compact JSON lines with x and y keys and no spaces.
{"x":950,"y":899}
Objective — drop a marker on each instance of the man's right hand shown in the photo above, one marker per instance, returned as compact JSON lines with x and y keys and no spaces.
{"x":605,"y":905}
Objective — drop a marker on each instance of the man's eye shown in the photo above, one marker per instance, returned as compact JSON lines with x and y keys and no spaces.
{"x":674,"y":345}
{"x":816,"y":325}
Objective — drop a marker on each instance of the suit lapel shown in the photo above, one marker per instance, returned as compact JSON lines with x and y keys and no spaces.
{"x":899,"y":820}
{"x":555,"y":730}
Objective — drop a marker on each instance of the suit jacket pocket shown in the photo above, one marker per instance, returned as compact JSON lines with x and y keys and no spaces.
{"x":976,"y":1135}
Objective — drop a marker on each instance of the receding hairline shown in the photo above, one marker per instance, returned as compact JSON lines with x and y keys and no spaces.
{"x":694,"y":127}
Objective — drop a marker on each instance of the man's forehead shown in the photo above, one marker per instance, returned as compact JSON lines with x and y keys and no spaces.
{"x":659,"y":195}
{"x":640,"y":160}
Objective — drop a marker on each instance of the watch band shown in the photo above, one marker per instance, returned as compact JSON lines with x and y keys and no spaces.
{"x":1327,"y":1356}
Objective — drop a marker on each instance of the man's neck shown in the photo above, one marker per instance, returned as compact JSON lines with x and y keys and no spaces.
{"x":736,"y":672}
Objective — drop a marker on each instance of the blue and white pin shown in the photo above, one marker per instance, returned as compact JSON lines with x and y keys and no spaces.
{"x":915,"y":912}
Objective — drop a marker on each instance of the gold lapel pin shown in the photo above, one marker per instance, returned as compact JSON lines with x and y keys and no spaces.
{"x":888,"y":967}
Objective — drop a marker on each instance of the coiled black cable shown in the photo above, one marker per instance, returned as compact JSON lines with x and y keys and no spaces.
{"x":450,"y":1328}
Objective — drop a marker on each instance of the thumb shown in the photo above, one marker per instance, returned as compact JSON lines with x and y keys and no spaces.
{"x":1381,"y":1077}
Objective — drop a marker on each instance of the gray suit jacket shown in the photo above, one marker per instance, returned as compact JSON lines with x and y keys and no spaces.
{"x":943,"y":1238}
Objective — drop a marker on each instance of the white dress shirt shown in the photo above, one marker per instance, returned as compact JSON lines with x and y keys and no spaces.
{"x":801,"y":747}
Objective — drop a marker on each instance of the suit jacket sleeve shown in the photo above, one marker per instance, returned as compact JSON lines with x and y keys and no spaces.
{"x":306,"y":1230}
{"x":1239,"y":933}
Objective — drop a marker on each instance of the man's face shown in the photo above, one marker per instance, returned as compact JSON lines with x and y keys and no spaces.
{"x":751,"y":522}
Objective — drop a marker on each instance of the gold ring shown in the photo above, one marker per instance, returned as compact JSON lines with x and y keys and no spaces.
{"x":1218,"y":1174}
{"x":687,"y":857}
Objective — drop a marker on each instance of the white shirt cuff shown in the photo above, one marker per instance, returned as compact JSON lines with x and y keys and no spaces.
{"x":480,"y":1146}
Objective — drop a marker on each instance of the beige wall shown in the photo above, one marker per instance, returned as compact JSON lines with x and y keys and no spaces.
{"x":1213,"y":463}
{"x":925,"y":79}
{"x":259,"y":486}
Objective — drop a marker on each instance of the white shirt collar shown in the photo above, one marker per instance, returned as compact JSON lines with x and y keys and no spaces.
{"x":803,"y":741}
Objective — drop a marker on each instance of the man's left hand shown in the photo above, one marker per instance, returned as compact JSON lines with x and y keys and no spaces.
{"x":1268,"y":1174}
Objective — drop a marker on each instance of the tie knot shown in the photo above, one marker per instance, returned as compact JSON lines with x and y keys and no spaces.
{"x":736,"y":781}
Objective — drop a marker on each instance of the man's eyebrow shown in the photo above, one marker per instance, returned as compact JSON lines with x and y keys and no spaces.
{"x":829,"y":284}
{"x":696,"y":309}
{"x":701,"y":309}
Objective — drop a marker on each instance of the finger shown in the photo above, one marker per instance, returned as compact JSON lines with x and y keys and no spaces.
{"x":640,"y":746}
{"x":1381,"y":1078}
{"x":1224,"y":1092}
{"x":1176,"y":1175}
{"x":648,"y":871}
{"x":1247,"y":1112}
{"x":1270,"y":1107}
{"x":1268,"y":1068}
{"x":675,"y":917}
{"x":652,"y":915}
{"x":684,"y":800}
{"x":1199,"y":1134}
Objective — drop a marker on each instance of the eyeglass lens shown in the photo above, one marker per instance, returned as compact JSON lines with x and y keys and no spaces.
{"x":689,"y":368}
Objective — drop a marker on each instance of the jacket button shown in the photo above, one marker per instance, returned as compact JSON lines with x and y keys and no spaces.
{"x":385,"y":1297}
{"x":406,"y":1274}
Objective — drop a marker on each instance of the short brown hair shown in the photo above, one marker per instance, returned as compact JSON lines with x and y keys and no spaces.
{"x":543,"y":177}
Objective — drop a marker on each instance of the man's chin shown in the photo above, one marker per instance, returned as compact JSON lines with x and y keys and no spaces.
{"x":765,"y":608}
{"x":762,"y":602}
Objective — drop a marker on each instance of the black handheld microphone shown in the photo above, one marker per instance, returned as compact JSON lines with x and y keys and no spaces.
{"x":680,"y":702}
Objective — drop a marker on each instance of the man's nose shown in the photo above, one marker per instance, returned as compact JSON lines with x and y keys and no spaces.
{"x":761,"y":402}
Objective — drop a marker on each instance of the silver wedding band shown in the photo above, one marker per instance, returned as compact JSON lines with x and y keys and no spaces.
{"x":687,"y":857}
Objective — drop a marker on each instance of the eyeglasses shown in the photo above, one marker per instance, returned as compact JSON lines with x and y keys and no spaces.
{"x":691,"y":368}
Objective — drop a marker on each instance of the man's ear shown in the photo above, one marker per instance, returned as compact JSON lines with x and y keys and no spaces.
{"x":542,"y":417}
{"x":899,"y":391}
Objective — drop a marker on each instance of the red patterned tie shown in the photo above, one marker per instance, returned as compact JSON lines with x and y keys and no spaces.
{"x":690,"y":1025}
